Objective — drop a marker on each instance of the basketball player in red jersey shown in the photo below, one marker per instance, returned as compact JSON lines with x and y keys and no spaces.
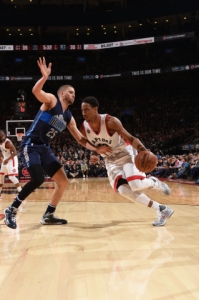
{"x":124,"y":177}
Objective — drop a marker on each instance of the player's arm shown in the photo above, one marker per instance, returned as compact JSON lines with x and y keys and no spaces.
{"x":13,"y":151}
{"x":72,"y":127}
{"x":114,"y":124}
{"x":83,"y":132}
{"x":46,"y":98}
{"x":94,"y":158}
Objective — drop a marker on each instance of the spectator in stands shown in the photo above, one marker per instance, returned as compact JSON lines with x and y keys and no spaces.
{"x":84,"y":169}
{"x":73,"y":172}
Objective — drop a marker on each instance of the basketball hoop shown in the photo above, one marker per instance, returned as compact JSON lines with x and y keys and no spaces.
{"x":19,"y":136}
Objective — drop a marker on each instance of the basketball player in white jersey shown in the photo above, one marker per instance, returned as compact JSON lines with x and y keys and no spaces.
{"x":124,"y":177}
{"x":9,"y":162}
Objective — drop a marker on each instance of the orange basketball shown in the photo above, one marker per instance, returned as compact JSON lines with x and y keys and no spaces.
{"x":146,"y":161}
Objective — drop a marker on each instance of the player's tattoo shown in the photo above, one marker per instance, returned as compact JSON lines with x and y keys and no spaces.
{"x":141,"y":148}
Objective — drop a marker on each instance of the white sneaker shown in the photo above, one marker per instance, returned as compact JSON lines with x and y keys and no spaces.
{"x":83,"y":176}
{"x":161,"y":186}
{"x":163,"y":216}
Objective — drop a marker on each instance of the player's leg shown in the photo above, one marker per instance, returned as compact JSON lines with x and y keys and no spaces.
{"x":15,"y":181}
{"x":30,"y":156}
{"x":119,"y":183}
{"x":138,"y":181}
{"x":54,"y":169}
{"x":12,"y":169}
{"x":3,"y":172}
{"x":163,"y":211}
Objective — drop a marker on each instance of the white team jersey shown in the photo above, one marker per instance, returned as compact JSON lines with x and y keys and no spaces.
{"x":115,"y":141}
{"x":11,"y":168}
{"x":5,"y":152}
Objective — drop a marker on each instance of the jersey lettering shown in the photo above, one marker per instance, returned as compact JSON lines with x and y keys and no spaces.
{"x":51,"y":133}
{"x":104,"y":141}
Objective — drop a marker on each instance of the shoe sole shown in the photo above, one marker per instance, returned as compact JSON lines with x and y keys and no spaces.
{"x":53,"y":223}
{"x":43,"y":223}
{"x":9,"y":223}
{"x":165,"y":220}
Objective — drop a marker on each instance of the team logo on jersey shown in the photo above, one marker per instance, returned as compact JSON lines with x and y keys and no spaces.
{"x":88,"y":131}
{"x":14,"y":170}
{"x":61,"y":118}
{"x":58,"y":122}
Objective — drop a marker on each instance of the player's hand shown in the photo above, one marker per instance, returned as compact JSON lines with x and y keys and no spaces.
{"x":45,"y":71}
{"x":104,"y":150}
{"x":5,"y":161}
{"x":94,"y":159}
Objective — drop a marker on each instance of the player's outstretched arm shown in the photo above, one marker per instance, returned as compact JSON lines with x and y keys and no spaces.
{"x":72,"y":127}
{"x":115,"y":125}
{"x":37,"y":89}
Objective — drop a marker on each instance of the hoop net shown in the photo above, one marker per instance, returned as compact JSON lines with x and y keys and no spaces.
{"x":19,"y":136}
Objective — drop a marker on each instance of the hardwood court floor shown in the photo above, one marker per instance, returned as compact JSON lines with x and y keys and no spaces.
{"x":108,"y":250}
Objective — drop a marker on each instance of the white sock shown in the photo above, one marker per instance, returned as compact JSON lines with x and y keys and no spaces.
{"x":19,"y":188}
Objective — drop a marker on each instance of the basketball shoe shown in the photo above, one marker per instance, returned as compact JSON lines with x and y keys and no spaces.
{"x":51,"y":219}
{"x":163,"y":216}
{"x":10,"y":217}
{"x":161,"y":186}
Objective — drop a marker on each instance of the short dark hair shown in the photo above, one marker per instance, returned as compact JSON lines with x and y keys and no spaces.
{"x":2,"y":132}
{"x":63,"y":88}
{"x":92,"y":101}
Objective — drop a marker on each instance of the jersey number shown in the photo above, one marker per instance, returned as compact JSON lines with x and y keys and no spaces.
{"x":51,"y":133}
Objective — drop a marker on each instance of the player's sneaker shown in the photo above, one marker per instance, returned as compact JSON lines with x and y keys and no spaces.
{"x":161,"y":186}
{"x":51,"y":219}
{"x":163,"y":216}
{"x":10,"y":217}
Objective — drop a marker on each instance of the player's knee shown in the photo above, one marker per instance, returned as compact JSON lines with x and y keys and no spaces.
{"x":37,"y":175}
{"x":136,"y":184}
{"x":63,"y":183}
{"x":38,"y":180}
{"x":126,"y":191}
{"x":13,"y":179}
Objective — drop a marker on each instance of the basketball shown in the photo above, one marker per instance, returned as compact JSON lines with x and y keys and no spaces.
{"x":146,"y":161}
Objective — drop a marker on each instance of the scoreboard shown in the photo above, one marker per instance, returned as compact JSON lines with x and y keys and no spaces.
{"x":47,"y":47}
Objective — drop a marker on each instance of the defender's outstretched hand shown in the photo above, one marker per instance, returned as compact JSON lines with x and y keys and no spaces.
{"x":45,"y":71}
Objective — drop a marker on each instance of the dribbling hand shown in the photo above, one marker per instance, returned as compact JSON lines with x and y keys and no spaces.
{"x":45,"y":71}
{"x":104,"y":150}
